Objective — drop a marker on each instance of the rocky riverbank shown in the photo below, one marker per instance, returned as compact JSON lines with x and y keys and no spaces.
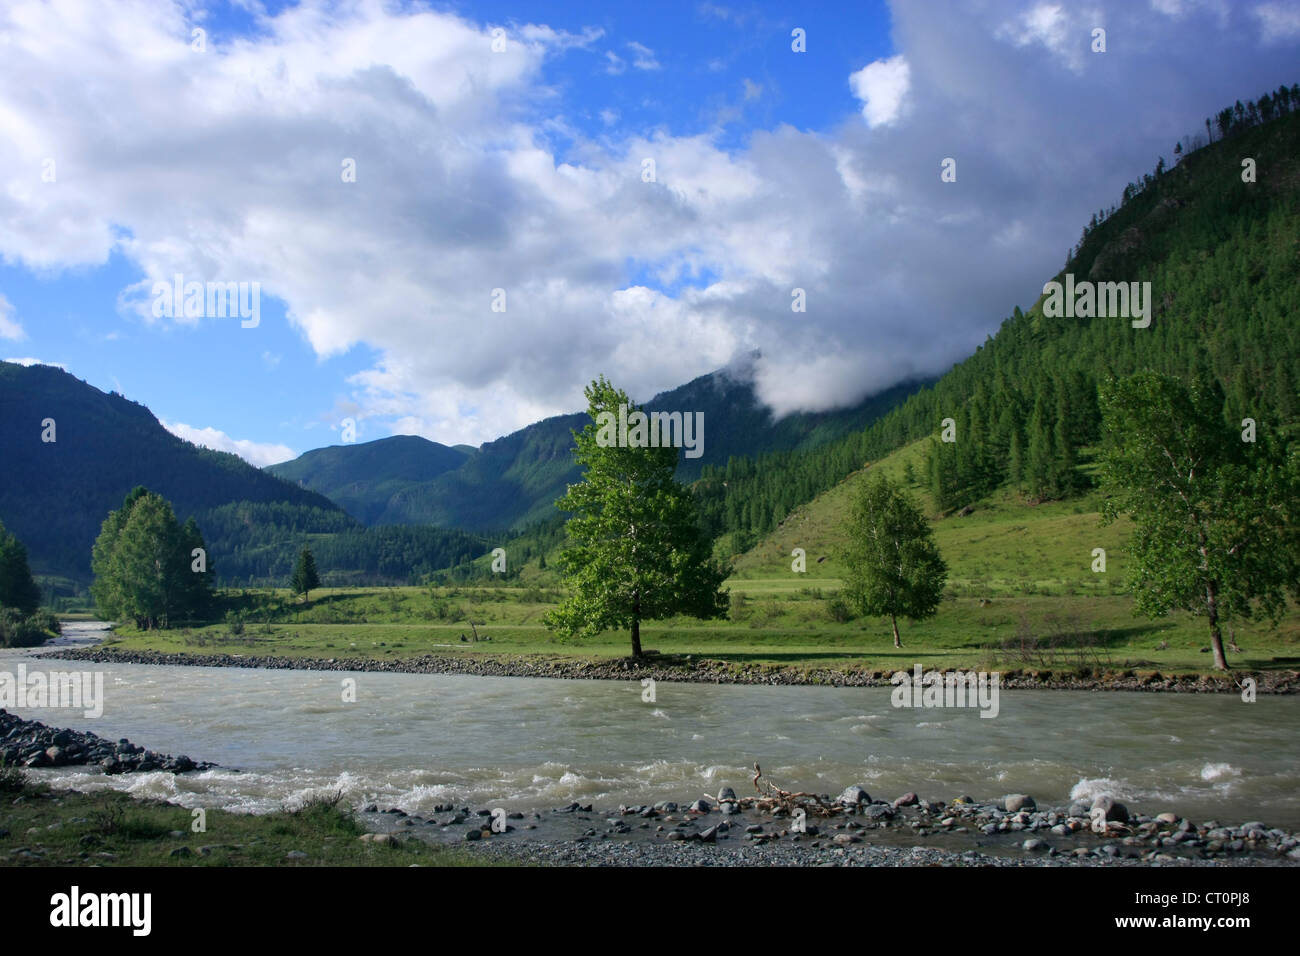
{"x":908,"y":831}
{"x":689,"y":670}
{"x":29,"y":743}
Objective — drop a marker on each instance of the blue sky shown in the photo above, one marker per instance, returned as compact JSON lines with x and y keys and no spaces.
{"x":522,"y":170}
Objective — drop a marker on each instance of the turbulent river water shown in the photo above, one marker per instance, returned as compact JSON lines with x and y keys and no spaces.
{"x":414,"y":741}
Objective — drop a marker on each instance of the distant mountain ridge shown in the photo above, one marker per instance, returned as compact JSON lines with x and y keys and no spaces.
{"x":362,"y":478}
{"x":514,"y":481}
{"x":55,"y":495}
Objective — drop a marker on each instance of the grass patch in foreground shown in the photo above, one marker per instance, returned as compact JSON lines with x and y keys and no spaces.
{"x":109,"y":828}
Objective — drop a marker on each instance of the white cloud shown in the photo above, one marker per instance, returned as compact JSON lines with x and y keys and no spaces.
{"x":882,"y":86}
{"x":461,"y":190}
{"x":9,"y":327}
{"x":643,"y":58}
{"x":1278,"y":21}
{"x":614,"y":63}
{"x":35,"y":361}
{"x":255,"y":453}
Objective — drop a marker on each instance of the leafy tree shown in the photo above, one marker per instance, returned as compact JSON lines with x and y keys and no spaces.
{"x":893,"y":565}
{"x":18,"y":589}
{"x":636,"y":552}
{"x":305,"y":577}
{"x":1215,"y":517}
{"x":143,"y":565}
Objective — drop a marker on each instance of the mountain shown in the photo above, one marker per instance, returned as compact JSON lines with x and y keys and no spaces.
{"x":1221,"y":253}
{"x":54,"y":495}
{"x":362,"y":479}
{"x":514,"y":481}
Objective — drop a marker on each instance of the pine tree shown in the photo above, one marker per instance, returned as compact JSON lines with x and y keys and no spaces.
{"x":305,"y":577}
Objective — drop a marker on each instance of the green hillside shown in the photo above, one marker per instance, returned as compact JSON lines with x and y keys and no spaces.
{"x":362,"y":479}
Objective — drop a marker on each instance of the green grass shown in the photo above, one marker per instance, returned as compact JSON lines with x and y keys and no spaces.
{"x":109,"y":828}
{"x":1021,"y":591}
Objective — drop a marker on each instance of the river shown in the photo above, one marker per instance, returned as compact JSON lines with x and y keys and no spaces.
{"x":414,"y":741}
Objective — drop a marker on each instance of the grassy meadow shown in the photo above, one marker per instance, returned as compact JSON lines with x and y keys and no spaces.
{"x":1021,"y":594}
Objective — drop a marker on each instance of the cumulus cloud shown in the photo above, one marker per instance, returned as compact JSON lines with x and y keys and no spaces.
{"x":231,"y":172}
{"x":882,"y":86}
{"x":255,"y":453}
{"x":9,"y":327}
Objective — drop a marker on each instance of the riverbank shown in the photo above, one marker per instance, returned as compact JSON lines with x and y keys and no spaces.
{"x":687,"y":669}
{"x":45,"y":827}
{"x":29,"y":743}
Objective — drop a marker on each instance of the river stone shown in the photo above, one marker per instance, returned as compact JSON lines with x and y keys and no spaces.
{"x":1078,"y":809}
{"x":908,"y":799}
{"x":854,"y":796}
{"x":878,"y":811}
{"x":701,"y":806}
{"x":474,"y":833}
{"x":295,"y":855}
{"x":709,"y":834}
{"x":728,"y":808}
{"x":1036,"y":846}
{"x":1167,"y":818}
{"x":726,"y":793}
{"x":1015,"y":802}
{"x":1115,"y":812}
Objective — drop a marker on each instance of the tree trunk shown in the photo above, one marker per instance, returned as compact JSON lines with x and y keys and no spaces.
{"x":894,"y":620}
{"x":1216,"y":638}
{"x":636,"y":625}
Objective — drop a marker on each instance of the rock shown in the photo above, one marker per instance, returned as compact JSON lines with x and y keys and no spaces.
{"x":878,"y":811}
{"x":701,"y":806}
{"x":675,"y":835}
{"x":1036,"y":846}
{"x":474,"y":833}
{"x":1167,"y":818}
{"x":1015,"y":802}
{"x":295,"y":855}
{"x":1114,"y":812}
{"x":180,"y":851}
{"x":729,"y":808}
{"x":709,"y":834}
{"x":1078,"y":809}
{"x":854,"y":796}
{"x":846,"y":838}
{"x":1061,"y":829}
{"x":908,"y":799}
{"x":726,"y":793}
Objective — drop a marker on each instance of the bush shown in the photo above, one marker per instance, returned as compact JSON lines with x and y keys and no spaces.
{"x":26,"y":630}
{"x":12,"y":779}
{"x":235,"y":622}
{"x":838,"y":610}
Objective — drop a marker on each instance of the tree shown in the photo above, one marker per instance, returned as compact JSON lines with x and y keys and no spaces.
{"x":143,"y":564}
{"x":305,"y":577}
{"x":1215,"y":516}
{"x":893,"y":565}
{"x":635,"y":552}
{"x":18,"y":589}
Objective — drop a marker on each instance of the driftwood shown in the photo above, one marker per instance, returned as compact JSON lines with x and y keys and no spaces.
{"x":771,"y":797}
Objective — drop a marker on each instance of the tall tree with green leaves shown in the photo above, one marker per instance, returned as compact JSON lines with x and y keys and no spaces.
{"x":143,"y":564}
{"x":893,"y":566}
{"x":18,"y":589}
{"x":305,"y":576}
{"x":636,"y":552}
{"x":1216,"y":516}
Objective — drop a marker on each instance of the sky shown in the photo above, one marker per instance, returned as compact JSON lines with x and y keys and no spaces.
{"x":453,"y":216}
